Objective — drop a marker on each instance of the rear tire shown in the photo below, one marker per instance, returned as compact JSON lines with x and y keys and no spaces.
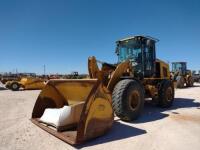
{"x":166,"y":94}
{"x":180,"y":81}
{"x":190,"y":82}
{"x":15,"y":86}
{"x":128,"y":99}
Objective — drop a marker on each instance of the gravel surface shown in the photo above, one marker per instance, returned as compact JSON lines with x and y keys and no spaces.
{"x":157,"y":129}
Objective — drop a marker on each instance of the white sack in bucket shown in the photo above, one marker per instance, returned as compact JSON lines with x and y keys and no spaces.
{"x":59,"y":117}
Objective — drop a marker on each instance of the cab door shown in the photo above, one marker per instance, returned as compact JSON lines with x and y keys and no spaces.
{"x":149,"y":59}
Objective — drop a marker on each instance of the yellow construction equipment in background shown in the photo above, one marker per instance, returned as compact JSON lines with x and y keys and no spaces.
{"x":136,"y":76}
{"x":27,"y":83}
{"x":181,"y":75}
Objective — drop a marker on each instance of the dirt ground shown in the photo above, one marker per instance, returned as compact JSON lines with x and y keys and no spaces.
{"x":157,"y":129}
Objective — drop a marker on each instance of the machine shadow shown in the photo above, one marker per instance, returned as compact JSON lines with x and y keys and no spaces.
{"x":194,"y":86}
{"x":153,"y":113}
{"x":118,"y":131}
{"x":150,"y":113}
{"x":21,"y":90}
{"x":3,"y":89}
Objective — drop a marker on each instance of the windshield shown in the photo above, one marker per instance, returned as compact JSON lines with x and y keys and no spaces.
{"x":179,"y":67}
{"x":131,"y":50}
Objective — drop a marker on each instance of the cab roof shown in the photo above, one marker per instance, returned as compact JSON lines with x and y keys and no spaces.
{"x":138,"y":36}
{"x":177,"y":62}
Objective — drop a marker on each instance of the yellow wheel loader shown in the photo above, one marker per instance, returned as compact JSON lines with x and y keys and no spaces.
{"x":84,"y":108}
{"x":136,"y":76}
{"x":181,"y":75}
{"x":27,"y":83}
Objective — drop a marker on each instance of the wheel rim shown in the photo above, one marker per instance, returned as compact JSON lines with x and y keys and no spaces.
{"x":134,"y":100}
{"x":14,"y":86}
{"x":169,"y":94}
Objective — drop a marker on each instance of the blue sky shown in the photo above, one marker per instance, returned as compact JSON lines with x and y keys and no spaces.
{"x":62,"y":33}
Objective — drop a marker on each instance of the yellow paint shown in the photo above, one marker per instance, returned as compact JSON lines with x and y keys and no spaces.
{"x":32,"y":83}
{"x":117,"y":74}
{"x":75,"y":91}
{"x":72,"y":91}
{"x":164,"y":67}
{"x":100,"y":109}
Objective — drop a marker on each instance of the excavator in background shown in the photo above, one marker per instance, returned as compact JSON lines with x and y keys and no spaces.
{"x":181,"y":75}
{"x":84,"y":108}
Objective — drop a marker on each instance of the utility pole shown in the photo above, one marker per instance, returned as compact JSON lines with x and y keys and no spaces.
{"x":44,"y":70}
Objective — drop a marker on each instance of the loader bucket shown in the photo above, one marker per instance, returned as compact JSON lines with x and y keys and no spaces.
{"x":95,"y":117}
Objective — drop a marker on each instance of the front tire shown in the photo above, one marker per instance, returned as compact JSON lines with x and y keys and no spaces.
{"x":190,"y":82}
{"x":180,"y":81}
{"x":128,"y":99}
{"x":166,"y":94}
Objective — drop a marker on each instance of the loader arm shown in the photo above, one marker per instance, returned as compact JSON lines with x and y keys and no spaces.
{"x":110,"y":75}
{"x":93,"y":69}
{"x":123,"y":69}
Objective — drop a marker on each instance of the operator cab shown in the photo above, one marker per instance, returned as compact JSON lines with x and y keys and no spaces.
{"x":179,"y":67}
{"x":140,"y":50}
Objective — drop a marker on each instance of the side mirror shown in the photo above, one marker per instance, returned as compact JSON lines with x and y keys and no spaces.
{"x":117,"y":50}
